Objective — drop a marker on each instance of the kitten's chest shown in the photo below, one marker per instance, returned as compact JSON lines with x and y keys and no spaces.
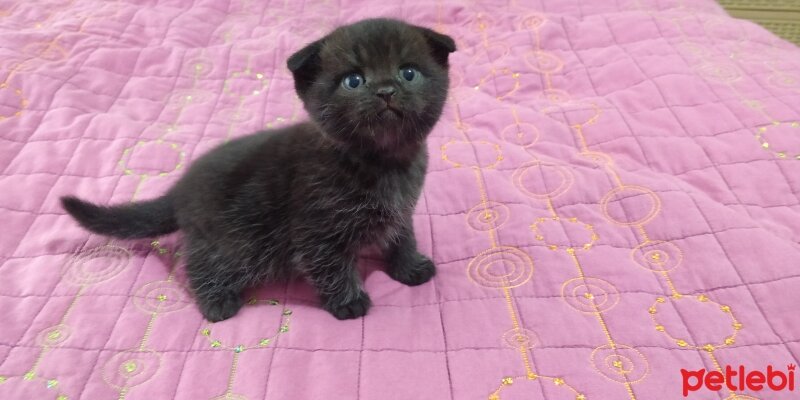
{"x":387,"y":201}
{"x":387,"y":205}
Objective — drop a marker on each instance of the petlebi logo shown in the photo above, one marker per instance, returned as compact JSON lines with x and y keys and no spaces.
{"x":739,"y":379}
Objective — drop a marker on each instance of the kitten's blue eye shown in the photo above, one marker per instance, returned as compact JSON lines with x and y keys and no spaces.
{"x":409,"y":73}
{"x":352,"y":81}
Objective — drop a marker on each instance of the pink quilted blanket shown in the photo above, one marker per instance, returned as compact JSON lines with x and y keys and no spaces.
{"x":613,"y":197}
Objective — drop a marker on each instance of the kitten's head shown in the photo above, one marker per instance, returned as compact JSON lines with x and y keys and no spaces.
{"x":378,"y":85}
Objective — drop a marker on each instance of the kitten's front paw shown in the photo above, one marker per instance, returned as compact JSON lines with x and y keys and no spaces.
{"x":221,"y":307}
{"x":349,"y":310}
{"x":421,"y":271}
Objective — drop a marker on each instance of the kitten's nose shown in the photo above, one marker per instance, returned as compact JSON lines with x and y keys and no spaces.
{"x":386,"y":93}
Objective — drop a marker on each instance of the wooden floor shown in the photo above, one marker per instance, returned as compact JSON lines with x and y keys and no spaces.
{"x":782,"y":17}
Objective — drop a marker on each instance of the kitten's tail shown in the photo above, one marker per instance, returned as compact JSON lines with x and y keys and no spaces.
{"x":135,"y":220}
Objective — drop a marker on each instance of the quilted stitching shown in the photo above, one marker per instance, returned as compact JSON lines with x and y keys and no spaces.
{"x":613,"y":195}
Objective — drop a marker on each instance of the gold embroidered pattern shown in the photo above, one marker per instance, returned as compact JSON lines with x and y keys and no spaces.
{"x":84,"y":269}
{"x":479,"y":162}
{"x":617,"y":362}
{"x":16,"y":93}
{"x":709,"y":347}
{"x":503,"y":267}
{"x":132,"y":367}
{"x":728,"y":73}
{"x":488,"y":216}
{"x":660,"y":257}
{"x":790,"y":129}
{"x":240,"y":85}
{"x":240,"y":348}
{"x":129,"y":368}
{"x":48,"y":51}
{"x":532,"y":179}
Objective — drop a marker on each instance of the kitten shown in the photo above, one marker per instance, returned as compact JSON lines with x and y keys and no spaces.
{"x":308,"y":197}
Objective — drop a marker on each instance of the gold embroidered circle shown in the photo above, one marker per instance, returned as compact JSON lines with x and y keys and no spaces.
{"x":147,"y":158}
{"x":621,"y":205}
{"x":223,"y":334}
{"x":544,"y":62}
{"x":520,"y":338}
{"x":522,"y":134}
{"x":161,"y":297}
{"x":657,"y":256}
{"x":532,"y":22}
{"x":725,"y":73}
{"x":782,"y":139}
{"x":54,"y":335}
{"x":669,"y":326}
{"x":245,"y":83}
{"x":556,"y":96}
{"x":199,"y":67}
{"x":519,"y":387}
{"x":564,"y":228}
{"x":590,"y":295}
{"x":542,"y":180}
{"x":130,"y":368}
{"x":487,"y":216}
{"x":475,"y":154}
{"x":504,"y":82}
{"x":620,"y":363}
{"x":784,"y":81}
{"x":31,"y":386}
{"x":235,"y":115}
{"x":482,"y":22}
{"x":96,"y":265}
{"x":501,"y":267}
{"x":597,"y":157}
{"x":182,"y":98}
{"x":12,"y":102}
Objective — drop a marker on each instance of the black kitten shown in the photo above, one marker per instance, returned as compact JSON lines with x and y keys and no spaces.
{"x":308,"y":197}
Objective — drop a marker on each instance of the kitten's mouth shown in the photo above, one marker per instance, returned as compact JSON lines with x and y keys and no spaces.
{"x":390,"y":111}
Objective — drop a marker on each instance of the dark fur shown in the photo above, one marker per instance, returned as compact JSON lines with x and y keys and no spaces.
{"x":308,"y":197}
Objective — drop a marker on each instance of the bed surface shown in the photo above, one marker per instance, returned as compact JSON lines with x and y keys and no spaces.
{"x":613,"y":195}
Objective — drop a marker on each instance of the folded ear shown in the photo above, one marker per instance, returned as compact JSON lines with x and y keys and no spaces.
{"x":441,"y":45}
{"x":304,"y":65}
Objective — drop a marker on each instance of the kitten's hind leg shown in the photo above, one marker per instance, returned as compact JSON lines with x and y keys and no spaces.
{"x":406,"y":264}
{"x":215,"y":280}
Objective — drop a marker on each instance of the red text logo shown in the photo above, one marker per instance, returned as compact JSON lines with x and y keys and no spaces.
{"x":738,"y":380}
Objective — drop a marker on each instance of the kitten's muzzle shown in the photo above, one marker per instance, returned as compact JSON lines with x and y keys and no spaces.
{"x":386,"y":93}
{"x":390,"y":111}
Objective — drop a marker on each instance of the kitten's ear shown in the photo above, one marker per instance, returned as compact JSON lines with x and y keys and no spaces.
{"x":304,"y":65}
{"x":441,"y":45}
